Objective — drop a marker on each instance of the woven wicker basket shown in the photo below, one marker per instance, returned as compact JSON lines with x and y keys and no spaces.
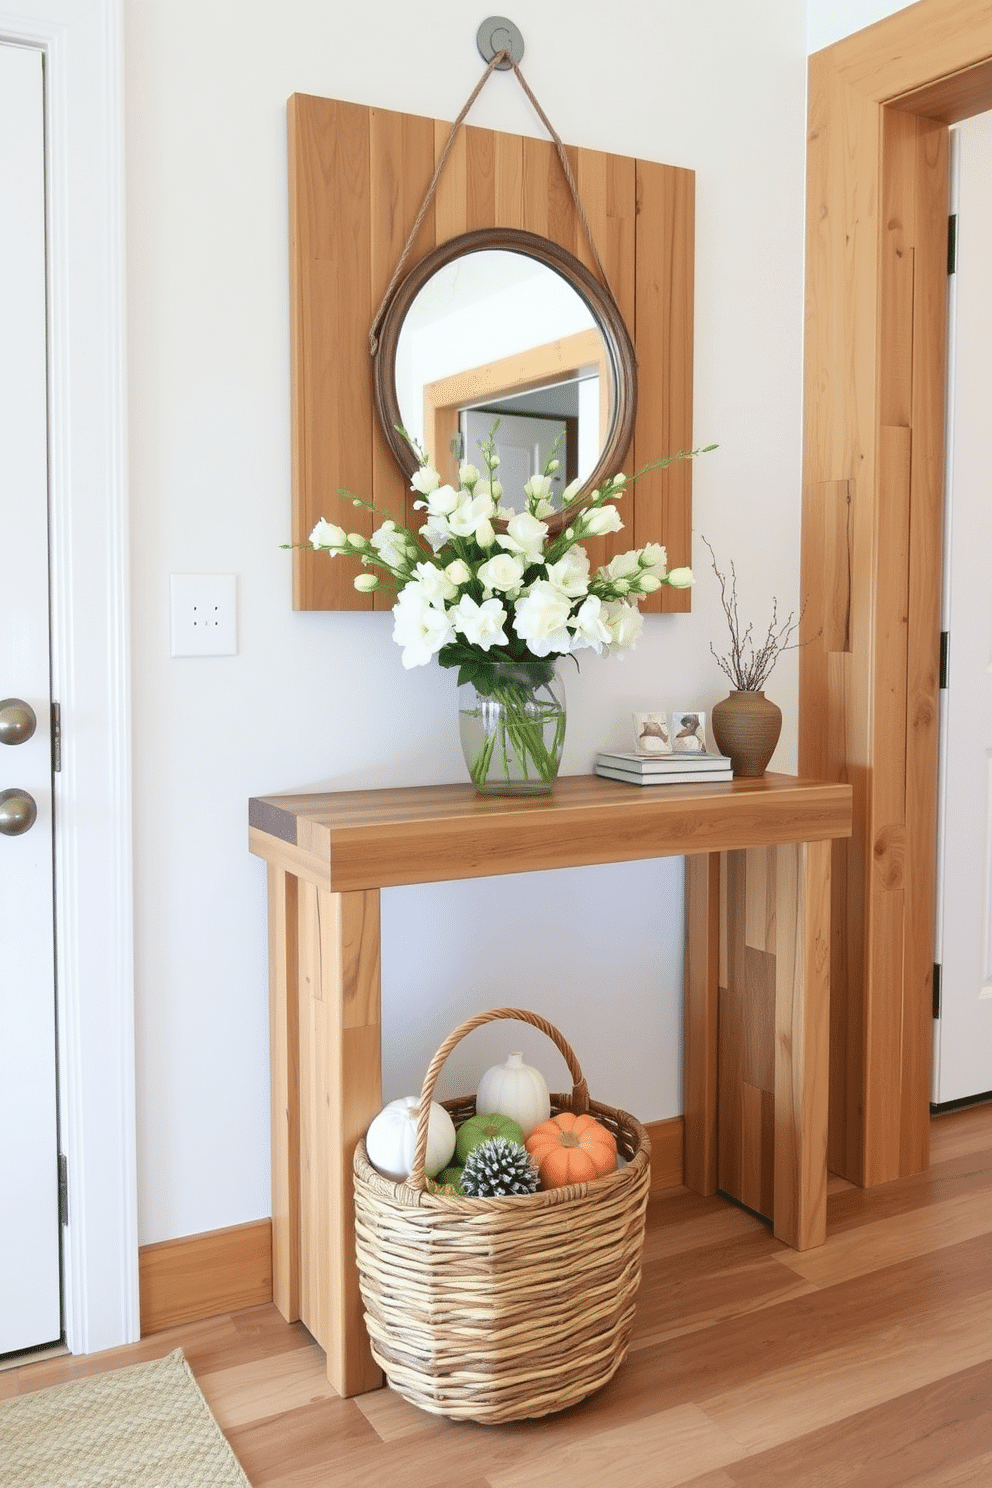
{"x":502,"y":1309}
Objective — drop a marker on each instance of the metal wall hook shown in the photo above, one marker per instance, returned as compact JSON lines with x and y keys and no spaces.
{"x":498,"y":34}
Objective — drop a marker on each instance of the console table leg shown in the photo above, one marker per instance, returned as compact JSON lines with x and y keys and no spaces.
{"x":341,"y":1091}
{"x":802,"y":1042}
{"x":284,"y":1043}
{"x":702,"y":966}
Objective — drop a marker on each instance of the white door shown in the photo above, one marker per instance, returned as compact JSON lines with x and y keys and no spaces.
{"x":30,"y":1305}
{"x":524,"y":445}
{"x":963,"y":1032}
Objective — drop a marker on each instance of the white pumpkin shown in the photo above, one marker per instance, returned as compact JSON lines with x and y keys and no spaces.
{"x":517,"y":1090}
{"x":391,"y":1140}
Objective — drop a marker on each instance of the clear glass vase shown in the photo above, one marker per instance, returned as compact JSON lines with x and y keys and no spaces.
{"x":511,"y":718}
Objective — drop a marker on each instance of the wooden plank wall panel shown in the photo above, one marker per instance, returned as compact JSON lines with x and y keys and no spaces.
{"x":664,"y":329}
{"x":357,"y":178}
{"x":607,"y":186}
{"x":451,"y":213}
{"x":401,"y":163}
{"x":330,"y":292}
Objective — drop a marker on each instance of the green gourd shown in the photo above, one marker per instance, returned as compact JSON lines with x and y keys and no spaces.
{"x":482,"y":1128}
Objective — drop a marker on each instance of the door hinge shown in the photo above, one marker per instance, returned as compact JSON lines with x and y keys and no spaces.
{"x":936,"y":989}
{"x":952,"y":243}
{"x":63,"y":1189}
{"x":56,"y":738}
{"x":457,"y":447}
{"x":945,"y":641}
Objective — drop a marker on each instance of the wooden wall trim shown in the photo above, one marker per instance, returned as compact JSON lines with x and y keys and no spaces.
{"x":199,"y":1276}
{"x":872,"y":518}
{"x":667,"y":1152}
{"x":357,"y":178}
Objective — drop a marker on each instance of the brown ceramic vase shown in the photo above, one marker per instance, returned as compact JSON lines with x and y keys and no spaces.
{"x":746,"y":726}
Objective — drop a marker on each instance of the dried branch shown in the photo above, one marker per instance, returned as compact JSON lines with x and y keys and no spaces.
{"x":748,"y":667}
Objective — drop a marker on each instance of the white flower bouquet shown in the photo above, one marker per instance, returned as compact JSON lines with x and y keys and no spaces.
{"x":483,"y":586}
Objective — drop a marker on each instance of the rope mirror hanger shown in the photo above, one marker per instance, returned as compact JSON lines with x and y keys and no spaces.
{"x":595,"y":292}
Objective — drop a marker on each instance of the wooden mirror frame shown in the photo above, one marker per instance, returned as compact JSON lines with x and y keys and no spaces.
{"x":602,"y":306}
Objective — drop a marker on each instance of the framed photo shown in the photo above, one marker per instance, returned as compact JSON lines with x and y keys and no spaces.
{"x":652,"y":734}
{"x":688,"y":733}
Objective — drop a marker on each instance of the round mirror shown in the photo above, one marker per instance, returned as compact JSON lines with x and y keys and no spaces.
{"x":505,"y":325}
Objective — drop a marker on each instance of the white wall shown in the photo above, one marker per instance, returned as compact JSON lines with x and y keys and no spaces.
{"x":321,"y":700}
{"x":830,"y":20}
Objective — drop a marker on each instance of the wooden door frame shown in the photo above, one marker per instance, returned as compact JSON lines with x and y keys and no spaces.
{"x":876,"y":287}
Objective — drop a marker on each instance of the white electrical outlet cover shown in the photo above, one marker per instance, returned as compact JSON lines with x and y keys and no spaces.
{"x":204,"y":614}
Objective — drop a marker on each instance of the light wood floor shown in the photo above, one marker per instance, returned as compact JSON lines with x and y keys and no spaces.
{"x":867,"y":1362}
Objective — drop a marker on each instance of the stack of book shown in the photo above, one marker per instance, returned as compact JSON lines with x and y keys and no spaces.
{"x":664,"y":769}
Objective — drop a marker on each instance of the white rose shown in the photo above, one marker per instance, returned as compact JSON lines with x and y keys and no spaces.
{"x":481,"y":625}
{"x":600,"y":520}
{"x":623,"y":566}
{"x":648,"y":583}
{"x":571,"y":573}
{"x":538,"y":487}
{"x":540,"y":618}
{"x":436,"y":532}
{"x":654,"y":558}
{"x":485,"y":534}
{"x":524,"y":535}
{"x":504,"y":572}
{"x":468,"y":476}
{"x":625,"y":623}
{"x":419,"y":627}
{"x":327,"y":535}
{"x":589,"y":626}
{"x":390,"y":542}
{"x":425,"y":480}
{"x":442,"y":501}
{"x":435,"y":583}
{"x":458,"y":572}
{"x":570,"y":492}
{"x":365,"y":583}
{"x":467,"y":516}
{"x":681,"y":578}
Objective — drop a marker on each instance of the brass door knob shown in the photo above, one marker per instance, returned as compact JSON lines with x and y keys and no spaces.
{"x":17,"y":721}
{"x":18,"y":812}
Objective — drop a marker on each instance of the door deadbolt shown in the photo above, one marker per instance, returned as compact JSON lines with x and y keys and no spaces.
{"x":18,"y":812}
{"x":17,"y":721}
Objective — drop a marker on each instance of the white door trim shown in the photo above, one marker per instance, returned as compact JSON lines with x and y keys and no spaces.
{"x":82,"y":41}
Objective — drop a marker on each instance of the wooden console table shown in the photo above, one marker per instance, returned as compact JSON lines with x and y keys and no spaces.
{"x":329,"y":855}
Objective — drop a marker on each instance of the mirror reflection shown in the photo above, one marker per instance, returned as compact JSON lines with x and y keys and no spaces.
{"x":497,"y":334}
{"x":503,"y":324}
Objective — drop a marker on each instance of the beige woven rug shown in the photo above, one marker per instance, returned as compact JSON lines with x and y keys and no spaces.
{"x":147,"y":1426}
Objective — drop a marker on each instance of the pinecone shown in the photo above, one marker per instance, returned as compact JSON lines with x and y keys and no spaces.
{"x":499,"y":1167}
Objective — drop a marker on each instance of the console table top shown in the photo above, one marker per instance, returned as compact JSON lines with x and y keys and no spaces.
{"x":366,"y":839}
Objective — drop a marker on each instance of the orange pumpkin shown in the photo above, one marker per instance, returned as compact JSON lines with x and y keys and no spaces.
{"x":572,"y":1149}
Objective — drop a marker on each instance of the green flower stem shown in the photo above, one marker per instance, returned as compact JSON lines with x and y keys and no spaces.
{"x":518,"y":736}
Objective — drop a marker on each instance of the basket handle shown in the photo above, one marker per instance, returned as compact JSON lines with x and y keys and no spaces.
{"x":580,"y":1090}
